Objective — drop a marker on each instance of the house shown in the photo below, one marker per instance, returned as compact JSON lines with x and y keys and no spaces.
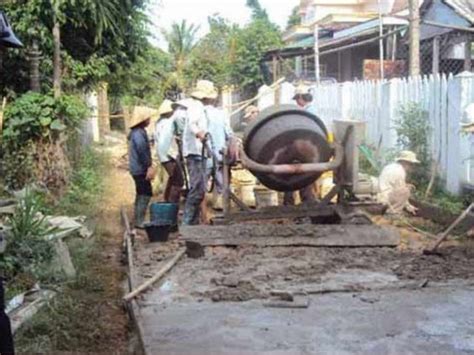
{"x":352,"y":35}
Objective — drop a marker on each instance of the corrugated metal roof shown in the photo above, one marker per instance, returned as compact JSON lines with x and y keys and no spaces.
{"x":465,"y":8}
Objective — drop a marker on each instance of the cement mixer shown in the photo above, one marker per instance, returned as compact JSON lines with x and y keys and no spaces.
{"x":287,"y":148}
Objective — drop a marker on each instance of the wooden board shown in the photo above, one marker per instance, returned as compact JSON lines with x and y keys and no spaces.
{"x":281,"y":212}
{"x":270,"y":235}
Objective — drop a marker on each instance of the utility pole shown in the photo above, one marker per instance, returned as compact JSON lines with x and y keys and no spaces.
{"x":316,"y":54}
{"x":381,"y":50}
{"x":414,"y":38}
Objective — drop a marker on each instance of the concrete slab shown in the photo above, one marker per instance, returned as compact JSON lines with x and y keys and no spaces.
{"x":433,"y":320}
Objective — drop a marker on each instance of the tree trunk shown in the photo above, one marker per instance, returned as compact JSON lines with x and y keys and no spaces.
{"x":57,"y":59}
{"x":34,"y":59}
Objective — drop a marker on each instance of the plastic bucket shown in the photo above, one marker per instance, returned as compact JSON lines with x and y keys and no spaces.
{"x":163,"y":211}
{"x":157,"y":232}
{"x":265,"y":197}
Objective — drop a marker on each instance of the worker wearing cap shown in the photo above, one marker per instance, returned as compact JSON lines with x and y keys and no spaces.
{"x":250,"y":115}
{"x":180,"y":115}
{"x":303,"y":99}
{"x":167,"y":151}
{"x":394,"y":191}
{"x":195,"y":133}
{"x":140,"y":160}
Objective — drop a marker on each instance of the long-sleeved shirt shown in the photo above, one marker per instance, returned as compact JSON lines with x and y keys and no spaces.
{"x":393,"y":188}
{"x":219,"y":128}
{"x":165,"y":131}
{"x":139,"y":153}
{"x":196,"y":122}
{"x":180,"y":117}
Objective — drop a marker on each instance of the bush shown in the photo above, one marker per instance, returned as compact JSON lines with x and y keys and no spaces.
{"x":31,"y":144}
{"x":27,"y":252}
{"x":85,"y":185}
{"x":414,"y":131}
{"x":35,"y":116}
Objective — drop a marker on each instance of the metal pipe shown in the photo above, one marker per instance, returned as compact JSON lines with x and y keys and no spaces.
{"x":294,"y":169}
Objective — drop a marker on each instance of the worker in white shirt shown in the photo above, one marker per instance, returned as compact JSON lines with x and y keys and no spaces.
{"x":195,"y":133}
{"x":394,"y":191}
{"x":167,"y":151}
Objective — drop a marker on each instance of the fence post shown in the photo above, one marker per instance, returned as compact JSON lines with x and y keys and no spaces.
{"x":460,"y":94}
{"x":103,"y":108}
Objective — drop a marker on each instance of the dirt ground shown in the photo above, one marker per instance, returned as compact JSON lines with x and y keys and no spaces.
{"x":118,"y":192}
{"x":246,"y":273}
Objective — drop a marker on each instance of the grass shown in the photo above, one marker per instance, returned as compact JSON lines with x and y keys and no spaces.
{"x":79,"y":317}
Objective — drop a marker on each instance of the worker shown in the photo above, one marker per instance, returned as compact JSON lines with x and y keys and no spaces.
{"x":140,"y":161}
{"x":195,"y":133}
{"x":167,"y":151}
{"x":250,"y":115}
{"x":394,"y":192}
{"x":220,"y":134}
{"x":180,"y":115}
{"x":303,"y":99}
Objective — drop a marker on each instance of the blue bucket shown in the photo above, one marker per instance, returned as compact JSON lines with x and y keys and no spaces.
{"x":163,"y":211}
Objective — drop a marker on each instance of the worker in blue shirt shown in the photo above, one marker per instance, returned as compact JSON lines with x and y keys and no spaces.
{"x":140,"y":161}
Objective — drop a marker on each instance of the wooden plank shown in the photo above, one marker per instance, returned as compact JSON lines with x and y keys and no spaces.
{"x":283,"y":212}
{"x":269,"y":235}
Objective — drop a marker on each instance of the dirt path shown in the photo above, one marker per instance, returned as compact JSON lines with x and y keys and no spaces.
{"x":118,"y":192}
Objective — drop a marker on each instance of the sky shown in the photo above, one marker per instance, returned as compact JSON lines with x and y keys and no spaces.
{"x":164,"y":12}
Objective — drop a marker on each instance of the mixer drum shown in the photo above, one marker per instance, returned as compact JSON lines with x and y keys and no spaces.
{"x":286,"y":134}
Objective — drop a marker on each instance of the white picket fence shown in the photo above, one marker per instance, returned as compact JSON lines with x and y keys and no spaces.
{"x":445,"y":98}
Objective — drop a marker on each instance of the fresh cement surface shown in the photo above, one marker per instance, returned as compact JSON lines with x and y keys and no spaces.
{"x":435,"y":320}
{"x":360,"y":300}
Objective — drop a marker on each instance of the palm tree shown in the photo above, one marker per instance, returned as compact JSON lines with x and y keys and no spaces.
{"x":181,"y":42}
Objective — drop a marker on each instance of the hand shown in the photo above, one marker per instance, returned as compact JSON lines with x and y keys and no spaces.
{"x":151,"y":173}
{"x":412,"y":209}
{"x":201,"y":135}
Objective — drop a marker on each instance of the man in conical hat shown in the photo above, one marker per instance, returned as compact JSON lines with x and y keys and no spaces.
{"x":140,"y":161}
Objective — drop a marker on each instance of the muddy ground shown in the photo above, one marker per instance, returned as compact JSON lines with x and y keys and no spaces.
{"x":246,"y":273}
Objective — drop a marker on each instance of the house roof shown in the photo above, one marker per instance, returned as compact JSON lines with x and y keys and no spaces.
{"x":465,"y":8}
{"x":399,"y":5}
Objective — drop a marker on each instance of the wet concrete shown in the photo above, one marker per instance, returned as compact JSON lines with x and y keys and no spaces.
{"x":431,"y":320}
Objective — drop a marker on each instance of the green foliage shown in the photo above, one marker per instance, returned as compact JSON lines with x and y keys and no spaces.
{"x":258,"y":12}
{"x":413,"y":129}
{"x":413,"y":133}
{"x":146,"y":81}
{"x":98,"y":38}
{"x":17,"y":165}
{"x":250,"y":45}
{"x":213,"y":56}
{"x":27,"y":250}
{"x":85,"y":185}
{"x":34,"y":116}
{"x":294,"y":19}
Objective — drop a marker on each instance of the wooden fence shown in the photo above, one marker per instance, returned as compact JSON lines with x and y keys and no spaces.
{"x":444,"y":98}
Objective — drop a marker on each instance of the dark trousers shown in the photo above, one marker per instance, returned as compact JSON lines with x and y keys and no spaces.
{"x":175,"y":182}
{"x":306,"y":195}
{"x":142,"y":185}
{"x":197,"y":168}
{"x":6,"y":338}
